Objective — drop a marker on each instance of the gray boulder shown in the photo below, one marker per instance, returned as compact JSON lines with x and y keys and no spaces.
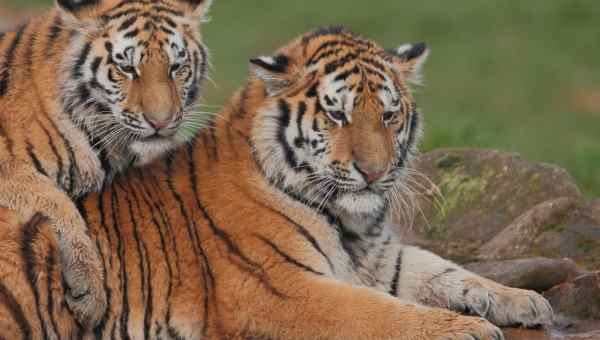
{"x":483,"y":205}
{"x":538,"y":274}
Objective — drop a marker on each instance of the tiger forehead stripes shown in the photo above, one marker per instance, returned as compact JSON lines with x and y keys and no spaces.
{"x":87,"y":90}
{"x":342,"y":115}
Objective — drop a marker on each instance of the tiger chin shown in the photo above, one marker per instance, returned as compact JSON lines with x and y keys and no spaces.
{"x":272,"y":224}
{"x":87,"y":90}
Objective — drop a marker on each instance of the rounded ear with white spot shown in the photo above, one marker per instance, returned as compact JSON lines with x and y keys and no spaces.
{"x":409,"y":59}
{"x":272,"y":71}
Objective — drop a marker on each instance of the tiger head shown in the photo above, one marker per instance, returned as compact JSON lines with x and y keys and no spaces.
{"x":338,"y":126}
{"x":133,"y":72}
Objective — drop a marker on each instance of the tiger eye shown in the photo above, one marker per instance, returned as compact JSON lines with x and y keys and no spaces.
{"x":388,"y":115}
{"x":128,"y":69}
{"x":337,"y":115}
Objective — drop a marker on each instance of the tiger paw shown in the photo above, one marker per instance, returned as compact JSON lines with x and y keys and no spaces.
{"x":505,"y":306}
{"x":85,"y":295}
{"x":471,"y":328}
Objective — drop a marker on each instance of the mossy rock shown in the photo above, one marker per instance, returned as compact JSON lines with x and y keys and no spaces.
{"x":483,"y":191}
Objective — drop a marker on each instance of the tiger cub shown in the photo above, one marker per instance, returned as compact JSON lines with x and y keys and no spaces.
{"x":272,"y":224}
{"x":87,"y":90}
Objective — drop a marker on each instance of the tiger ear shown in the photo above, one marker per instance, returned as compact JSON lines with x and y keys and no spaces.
{"x":409,"y":60}
{"x":84,"y":9}
{"x":272,"y":71}
{"x":196,"y":8}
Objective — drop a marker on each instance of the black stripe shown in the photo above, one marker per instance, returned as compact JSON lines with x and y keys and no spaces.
{"x":167,"y":30}
{"x":127,"y":23}
{"x":98,"y":331}
{"x":301,"y":111}
{"x":344,"y":75}
{"x":339,"y":62}
{"x":160,"y":9}
{"x":8,"y":60}
{"x":192,"y":231}
{"x":36,"y":162}
{"x":302,"y":231}
{"x":8,"y":300}
{"x":147,"y":198}
{"x":96,"y":65}
{"x":122,"y":260}
{"x":131,"y":199}
{"x":28,"y":240}
{"x":396,"y":278}
{"x":54,"y":33}
{"x":29,"y":51}
{"x":284,"y":123}
{"x":165,"y":219}
{"x":83,"y":55}
{"x":59,"y":160}
{"x":414,"y":127}
{"x":326,"y":45}
{"x":287,"y":257}
{"x":170,"y":22}
{"x":121,"y":14}
{"x":51,"y":264}
{"x":131,"y":34}
{"x":101,"y":327}
{"x":250,"y":266}
{"x":71,"y":153}
{"x":319,"y":32}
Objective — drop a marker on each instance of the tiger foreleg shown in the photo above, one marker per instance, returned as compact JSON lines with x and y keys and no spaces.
{"x":323,"y":308}
{"x":25,"y":192}
{"x":426,"y":278}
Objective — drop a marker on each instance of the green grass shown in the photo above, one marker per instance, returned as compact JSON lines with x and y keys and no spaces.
{"x":503,"y":74}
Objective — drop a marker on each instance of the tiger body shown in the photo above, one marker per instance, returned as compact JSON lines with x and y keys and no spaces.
{"x":71,"y":116}
{"x":242,"y":234}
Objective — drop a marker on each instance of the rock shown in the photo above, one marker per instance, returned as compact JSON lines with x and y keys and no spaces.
{"x":579,"y":298}
{"x":497,"y":206}
{"x":576,"y":237}
{"x":594,"y":335}
{"x":535,"y":273}
{"x":566,"y":329}
{"x":518,"y":238}
{"x":527,"y":334}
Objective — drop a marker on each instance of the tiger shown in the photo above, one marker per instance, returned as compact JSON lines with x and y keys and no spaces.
{"x":272,"y":223}
{"x":87,"y":90}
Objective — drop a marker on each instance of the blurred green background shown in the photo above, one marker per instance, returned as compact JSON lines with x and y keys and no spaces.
{"x":520,"y":76}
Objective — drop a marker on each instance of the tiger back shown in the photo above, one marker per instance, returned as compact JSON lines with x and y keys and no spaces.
{"x":87,"y":90}
{"x":271,"y":224}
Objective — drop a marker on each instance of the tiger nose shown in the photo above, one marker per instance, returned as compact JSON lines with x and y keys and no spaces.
{"x":158,"y":121}
{"x":371,"y":175}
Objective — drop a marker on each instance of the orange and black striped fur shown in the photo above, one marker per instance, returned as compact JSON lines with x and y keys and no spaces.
{"x":86,"y":90}
{"x":271,"y":225}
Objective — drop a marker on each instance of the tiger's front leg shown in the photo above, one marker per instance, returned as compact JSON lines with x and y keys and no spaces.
{"x":316,"y":307}
{"x":25,"y":193}
{"x":426,"y":278}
